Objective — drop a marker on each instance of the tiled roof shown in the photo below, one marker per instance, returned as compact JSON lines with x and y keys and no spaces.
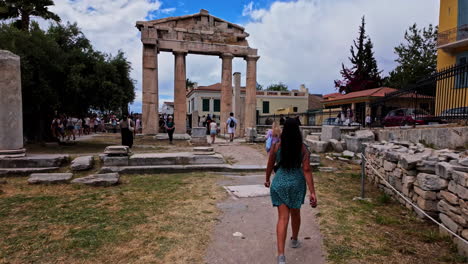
{"x":376,"y":92}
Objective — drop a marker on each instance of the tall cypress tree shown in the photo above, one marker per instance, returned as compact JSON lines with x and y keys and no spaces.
{"x":364,"y":74}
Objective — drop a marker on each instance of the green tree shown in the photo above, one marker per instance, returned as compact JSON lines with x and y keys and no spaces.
{"x":24,"y":9}
{"x":417,"y":57}
{"x":259,"y":87}
{"x":189,"y":84}
{"x":277,"y":87}
{"x":61,"y":73}
{"x":364,"y":73}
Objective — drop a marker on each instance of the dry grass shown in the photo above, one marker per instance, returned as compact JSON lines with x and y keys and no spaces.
{"x":99,"y":142}
{"x":146,"y":219}
{"x":379,"y":231}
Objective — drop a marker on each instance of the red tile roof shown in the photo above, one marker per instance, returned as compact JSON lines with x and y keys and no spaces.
{"x":376,"y":92}
{"x":332,"y":95}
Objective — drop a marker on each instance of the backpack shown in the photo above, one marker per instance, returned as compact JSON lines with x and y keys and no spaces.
{"x":232,"y":123}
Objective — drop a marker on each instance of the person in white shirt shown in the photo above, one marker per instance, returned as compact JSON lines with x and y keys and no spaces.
{"x":213,"y":131}
{"x":231,"y":125}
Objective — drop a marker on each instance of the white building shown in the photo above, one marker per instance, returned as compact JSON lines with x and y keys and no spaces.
{"x":167,"y":108}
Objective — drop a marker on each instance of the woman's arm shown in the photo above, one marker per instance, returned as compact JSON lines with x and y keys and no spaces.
{"x":308,"y":176}
{"x":271,"y":164}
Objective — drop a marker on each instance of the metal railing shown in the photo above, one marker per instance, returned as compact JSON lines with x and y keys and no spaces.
{"x":437,"y":99}
{"x":452,"y":35}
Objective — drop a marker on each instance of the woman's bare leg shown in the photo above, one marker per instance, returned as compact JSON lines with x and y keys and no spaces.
{"x":295,"y":222}
{"x":282,"y":227}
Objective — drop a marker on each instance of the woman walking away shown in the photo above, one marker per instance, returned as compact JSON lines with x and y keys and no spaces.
{"x":273,"y":136}
{"x":288,"y":188}
{"x":126,"y":130}
{"x":213,"y":131}
{"x":170,"y":127}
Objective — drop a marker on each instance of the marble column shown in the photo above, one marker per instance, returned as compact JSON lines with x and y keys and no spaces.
{"x":150,"y":106}
{"x":226,"y":89}
{"x":236,"y":103}
{"x":11,"y":110}
{"x":251,"y":92}
{"x":180,"y":101}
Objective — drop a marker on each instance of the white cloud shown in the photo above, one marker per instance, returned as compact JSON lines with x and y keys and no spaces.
{"x":306,"y":41}
{"x":303,"y":41}
{"x":110,"y":25}
{"x":253,"y":13}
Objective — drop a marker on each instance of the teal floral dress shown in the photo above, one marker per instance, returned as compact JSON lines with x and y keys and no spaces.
{"x":288,"y":186}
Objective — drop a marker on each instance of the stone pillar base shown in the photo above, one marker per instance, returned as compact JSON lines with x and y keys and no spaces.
{"x":164,"y":136}
{"x":250,"y":134}
{"x":12,"y":153}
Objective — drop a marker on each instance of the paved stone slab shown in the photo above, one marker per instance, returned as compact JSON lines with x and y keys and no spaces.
{"x":107,"y":179}
{"x":183,"y":168}
{"x":164,"y":136}
{"x":49,"y":178}
{"x":181,"y":158}
{"x":82,"y":163}
{"x":246,"y":191}
{"x":4,"y":172}
{"x":35,"y":161}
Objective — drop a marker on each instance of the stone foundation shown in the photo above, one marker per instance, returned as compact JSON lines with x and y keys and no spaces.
{"x":435,"y":180}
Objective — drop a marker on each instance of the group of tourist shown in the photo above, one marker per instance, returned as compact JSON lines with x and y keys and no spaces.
{"x":213,"y":129}
{"x":289,"y":159}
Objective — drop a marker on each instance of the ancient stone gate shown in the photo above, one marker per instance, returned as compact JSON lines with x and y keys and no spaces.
{"x":199,"y":33}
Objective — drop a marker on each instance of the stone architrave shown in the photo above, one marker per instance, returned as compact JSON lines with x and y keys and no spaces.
{"x":180,"y":101}
{"x":226,"y":89}
{"x":11,"y":111}
{"x":251,"y":92}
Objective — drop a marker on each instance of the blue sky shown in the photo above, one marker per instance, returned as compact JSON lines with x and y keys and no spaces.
{"x":300,"y":42}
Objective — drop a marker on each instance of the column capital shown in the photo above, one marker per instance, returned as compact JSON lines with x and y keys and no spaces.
{"x":226,"y":56}
{"x":180,"y":52}
{"x":252,"y":58}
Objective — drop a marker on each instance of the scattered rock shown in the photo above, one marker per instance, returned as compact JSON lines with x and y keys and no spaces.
{"x":318,"y":146}
{"x":348,"y":154}
{"x":327,"y":169}
{"x":107,"y":179}
{"x":336,"y":145}
{"x":49,"y":178}
{"x":463,"y":162}
{"x":82,"y":163}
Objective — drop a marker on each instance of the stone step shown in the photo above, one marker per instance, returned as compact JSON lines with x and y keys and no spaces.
{"x":5,"y":172}
{"x":49,"y":178}
{"x":35,"y":161}
{"x":182,"y":158}
{"x":183,"y":168}
{"x":203,"y":149}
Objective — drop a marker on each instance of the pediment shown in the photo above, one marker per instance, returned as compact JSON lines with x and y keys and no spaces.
{"x":200,"y":27}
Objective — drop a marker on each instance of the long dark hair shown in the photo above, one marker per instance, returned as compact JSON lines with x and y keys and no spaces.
{"x":291,"y":145}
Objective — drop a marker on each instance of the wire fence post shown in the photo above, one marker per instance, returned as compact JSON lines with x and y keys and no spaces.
{"x":363,"y":173}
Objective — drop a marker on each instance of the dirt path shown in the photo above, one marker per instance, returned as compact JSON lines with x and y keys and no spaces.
{"x":256,"y":219}
{"x":241,"y":154}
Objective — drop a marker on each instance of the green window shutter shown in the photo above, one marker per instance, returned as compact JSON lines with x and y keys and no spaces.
{"x":206,"y":105}
{"x":217,"y":105}
{"x":266,"y":107}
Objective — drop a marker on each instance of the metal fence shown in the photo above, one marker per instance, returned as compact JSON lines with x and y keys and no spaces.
{"x":437,"y":99}
{"x":311,"y":118}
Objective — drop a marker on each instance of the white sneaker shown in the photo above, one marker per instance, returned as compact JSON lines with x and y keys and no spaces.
{"x":281,"y":259}
{"x":295,"y":243}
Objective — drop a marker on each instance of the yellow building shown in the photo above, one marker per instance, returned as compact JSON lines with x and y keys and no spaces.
{"x":452,"y":45}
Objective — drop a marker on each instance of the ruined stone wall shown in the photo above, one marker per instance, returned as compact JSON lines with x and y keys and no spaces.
{"x":435,"y":180}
